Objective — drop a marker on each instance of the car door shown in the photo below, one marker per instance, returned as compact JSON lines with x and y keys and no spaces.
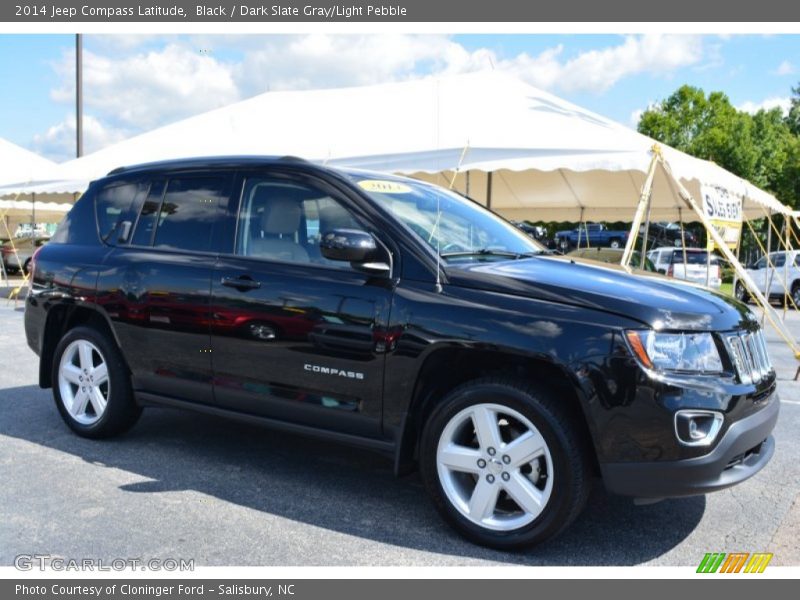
{"x":295,"y":336}
{"x":156,"y":282}
{"x":758,"y":273}
{"x":778,"y":276}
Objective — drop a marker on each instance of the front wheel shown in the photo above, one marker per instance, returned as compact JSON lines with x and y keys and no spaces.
{"x":615,"y":243}
{"x":91,"y":385}
{"x":503,"y":464}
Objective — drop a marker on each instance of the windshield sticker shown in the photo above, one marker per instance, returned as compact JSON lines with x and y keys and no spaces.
{"x":384,"y":187}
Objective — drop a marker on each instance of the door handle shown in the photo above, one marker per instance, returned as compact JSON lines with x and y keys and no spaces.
{"x":241,"y":283}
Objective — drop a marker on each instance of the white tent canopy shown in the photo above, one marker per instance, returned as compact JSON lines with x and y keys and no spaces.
{"x":550,"y":159}
{"x":19,"y":164}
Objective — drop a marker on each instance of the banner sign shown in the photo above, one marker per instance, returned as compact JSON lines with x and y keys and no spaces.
{"x":724,"y":210}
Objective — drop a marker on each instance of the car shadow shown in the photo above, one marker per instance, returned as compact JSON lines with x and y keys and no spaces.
{"x":320,"y":483}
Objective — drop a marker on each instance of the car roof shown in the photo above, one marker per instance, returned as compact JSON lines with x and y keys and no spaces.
{"x":216,"y":162}
{"x":249,"y":162}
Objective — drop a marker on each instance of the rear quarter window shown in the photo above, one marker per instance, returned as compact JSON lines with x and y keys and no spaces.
{"x":113,"y":205}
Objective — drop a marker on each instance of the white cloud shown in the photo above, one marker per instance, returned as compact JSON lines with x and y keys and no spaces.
{"x":58,"y":142}
{"x":785,"y":68}
{"x":599,"y":70}
{"x":635,"y":116}
{"x":136,"y":83}
{"x":148,"y":89}
{"x":767,"y":104}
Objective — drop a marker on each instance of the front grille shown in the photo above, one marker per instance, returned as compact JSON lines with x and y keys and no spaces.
{"x":748,"y":352}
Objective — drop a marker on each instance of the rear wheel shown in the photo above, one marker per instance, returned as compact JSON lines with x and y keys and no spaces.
{"x":615,"y":243}
{"x":796,"y":294}
{"x":91,"y":385}
{"x":26,"y":268}
{"x":503,"y":464}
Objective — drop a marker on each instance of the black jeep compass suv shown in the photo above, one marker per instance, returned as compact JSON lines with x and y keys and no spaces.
{"x":395,"y":315}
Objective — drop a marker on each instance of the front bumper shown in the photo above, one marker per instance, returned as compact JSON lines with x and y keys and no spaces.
{"x":741,"y":453}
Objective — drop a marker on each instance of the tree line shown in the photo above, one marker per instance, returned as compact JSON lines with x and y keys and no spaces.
{"x":763,"y":148}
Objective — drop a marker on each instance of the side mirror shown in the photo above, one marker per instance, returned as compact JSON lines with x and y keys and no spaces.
{"x":356,"y":247}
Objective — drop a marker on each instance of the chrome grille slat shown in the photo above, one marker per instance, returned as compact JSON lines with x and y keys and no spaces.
{"x":748,"y":352}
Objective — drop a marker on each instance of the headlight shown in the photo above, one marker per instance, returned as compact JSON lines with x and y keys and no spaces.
{"x":687,"y":352}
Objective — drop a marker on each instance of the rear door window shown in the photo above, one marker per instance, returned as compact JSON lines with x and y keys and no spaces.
{"x":180,"y":213}
{"x":188,"y":212}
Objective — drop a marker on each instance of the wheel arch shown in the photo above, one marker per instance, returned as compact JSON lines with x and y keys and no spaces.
{"x":447,"y":368}
{"x":61,"y":319}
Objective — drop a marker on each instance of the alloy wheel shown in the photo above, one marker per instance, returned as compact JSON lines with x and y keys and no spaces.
{"x":495,"y":467}
{"x":83,"y":382}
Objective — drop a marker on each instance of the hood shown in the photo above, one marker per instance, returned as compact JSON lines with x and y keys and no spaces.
{"x":654,"y":300}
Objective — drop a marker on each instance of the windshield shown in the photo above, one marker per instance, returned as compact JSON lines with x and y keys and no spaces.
{"x":459,"y":229}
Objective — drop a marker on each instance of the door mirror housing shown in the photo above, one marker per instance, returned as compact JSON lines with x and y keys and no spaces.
{"x":357,"y":247}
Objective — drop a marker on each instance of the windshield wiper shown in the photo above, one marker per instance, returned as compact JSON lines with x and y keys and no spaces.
{"x":490,"y":252}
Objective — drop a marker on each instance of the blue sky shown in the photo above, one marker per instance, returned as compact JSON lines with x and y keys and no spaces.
{"x":135,"y":83}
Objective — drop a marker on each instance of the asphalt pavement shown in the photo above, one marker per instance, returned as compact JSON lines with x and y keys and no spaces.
{"x":183,"y":485}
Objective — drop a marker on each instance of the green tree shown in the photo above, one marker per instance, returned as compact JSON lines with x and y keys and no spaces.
{"x":761,"y":148}
{"x":708,"y":127}
{"x":793,"y":118}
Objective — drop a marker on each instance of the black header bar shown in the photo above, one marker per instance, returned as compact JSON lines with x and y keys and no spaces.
{"x":376,"y":11}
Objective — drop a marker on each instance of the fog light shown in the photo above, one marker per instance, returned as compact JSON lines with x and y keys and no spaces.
{"x":697,"y":427}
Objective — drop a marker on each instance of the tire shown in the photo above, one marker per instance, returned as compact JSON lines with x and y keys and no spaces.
{"x":795,"y":294}
{"x":615,"y":243}
{"x":741,"y":293}
{"x":458,"y":471}
{"x":564,"y":245}
{"x":107,"y":407}
{"x":26,"y":268}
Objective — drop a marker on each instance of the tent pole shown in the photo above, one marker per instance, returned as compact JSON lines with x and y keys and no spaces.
{"x":646,"y":229}
{"x":768,"y":276}
{"x":644,"y":197}
{"x":786,"y":268}
{"x":489,"y":190}
{"x":743,"y":274}
{"x":739,"y":244}
{"x":683,"y":237}
{"x":466,"y":185}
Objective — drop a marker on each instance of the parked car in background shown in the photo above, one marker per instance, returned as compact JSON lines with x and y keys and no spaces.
{"x":784,"y":271}
{"x":537,"y":232}
{"x":613,"y":256}
{"x":17,"y":253}
{"x":591,"y":234}
{"x":668,"y":234}
{"x":697,"y":267}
